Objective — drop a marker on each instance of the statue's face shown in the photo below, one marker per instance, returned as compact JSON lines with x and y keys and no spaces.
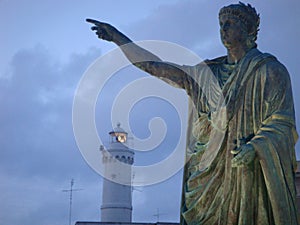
{"x":232,"y":31}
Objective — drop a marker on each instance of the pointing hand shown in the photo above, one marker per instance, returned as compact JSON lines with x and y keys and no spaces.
{"x":104,"y":31}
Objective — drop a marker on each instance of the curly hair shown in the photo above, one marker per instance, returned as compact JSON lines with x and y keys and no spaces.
{"x":247,"y":15}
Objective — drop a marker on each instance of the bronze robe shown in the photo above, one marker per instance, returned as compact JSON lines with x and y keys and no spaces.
{"x":259,"y":111}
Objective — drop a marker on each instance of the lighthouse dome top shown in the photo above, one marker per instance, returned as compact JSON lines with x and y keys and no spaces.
{"x":118,"y":130}
{"x":118,"y":134}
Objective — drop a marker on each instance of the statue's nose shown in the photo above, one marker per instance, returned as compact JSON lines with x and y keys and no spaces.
{"x":224,"y":27}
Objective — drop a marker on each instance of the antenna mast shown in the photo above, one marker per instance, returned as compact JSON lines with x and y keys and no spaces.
{"x":71,"y":196}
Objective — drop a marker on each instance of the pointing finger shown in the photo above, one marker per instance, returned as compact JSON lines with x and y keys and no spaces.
{"x":96,"y":22}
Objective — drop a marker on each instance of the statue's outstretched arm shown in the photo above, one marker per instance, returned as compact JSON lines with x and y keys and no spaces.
{"x":138,"y":56}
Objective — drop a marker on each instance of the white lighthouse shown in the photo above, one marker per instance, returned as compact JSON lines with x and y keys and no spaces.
{"x":117,"y":191}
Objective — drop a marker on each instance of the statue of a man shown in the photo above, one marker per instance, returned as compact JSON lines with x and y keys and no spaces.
{"x":250,"y":181}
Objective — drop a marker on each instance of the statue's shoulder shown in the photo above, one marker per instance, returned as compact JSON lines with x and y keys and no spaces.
{"x":270,"y":61}
{"x":272,"y":69}
{"x":212,"y":63}
{"x":216,"y":61}
{"x":257,"y":57}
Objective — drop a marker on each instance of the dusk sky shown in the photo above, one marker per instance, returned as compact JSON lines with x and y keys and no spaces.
{"x":46,"y":47}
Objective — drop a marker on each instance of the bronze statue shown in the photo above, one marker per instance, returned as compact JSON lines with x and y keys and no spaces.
{"x":250,"y":181}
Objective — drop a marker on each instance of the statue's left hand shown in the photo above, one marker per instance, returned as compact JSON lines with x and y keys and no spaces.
{"x":245,"y":156}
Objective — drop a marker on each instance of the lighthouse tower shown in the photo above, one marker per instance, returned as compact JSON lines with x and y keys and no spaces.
{"x":116,"y":195}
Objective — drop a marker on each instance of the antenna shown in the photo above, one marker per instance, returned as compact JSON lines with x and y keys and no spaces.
{"x":71,"y":193}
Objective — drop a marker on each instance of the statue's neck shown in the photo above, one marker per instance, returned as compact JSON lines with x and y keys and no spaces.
{"x":235,"y":54}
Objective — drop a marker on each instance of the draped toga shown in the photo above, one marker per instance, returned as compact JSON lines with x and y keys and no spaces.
{"x":232,"y":105}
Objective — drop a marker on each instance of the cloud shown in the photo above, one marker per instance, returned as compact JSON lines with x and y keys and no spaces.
{"x":39,"y":153}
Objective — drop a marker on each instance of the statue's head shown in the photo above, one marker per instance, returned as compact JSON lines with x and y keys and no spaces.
{"x":247,"y":16}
